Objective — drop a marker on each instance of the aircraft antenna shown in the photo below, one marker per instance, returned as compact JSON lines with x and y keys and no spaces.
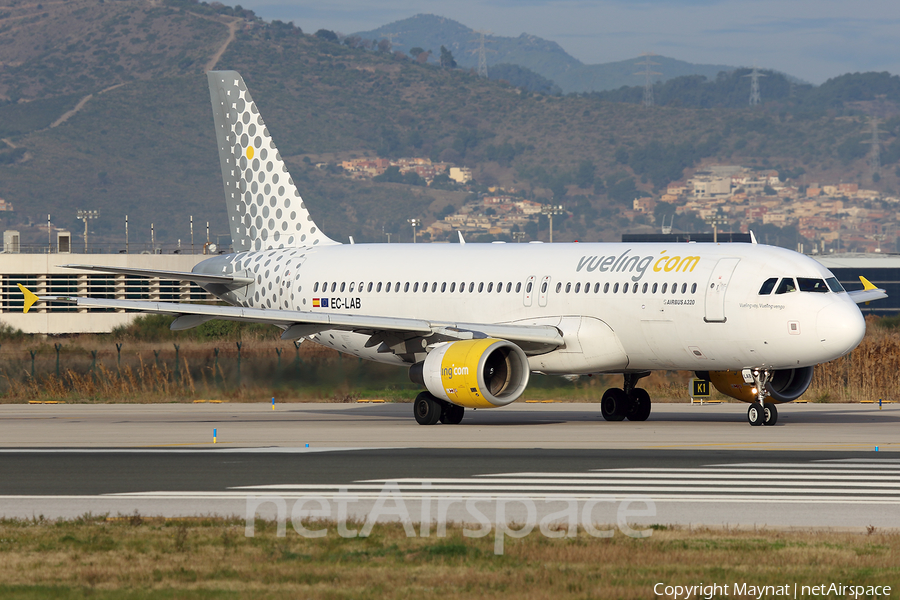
{"x":647,"y":73}
{"x":754,"y":76}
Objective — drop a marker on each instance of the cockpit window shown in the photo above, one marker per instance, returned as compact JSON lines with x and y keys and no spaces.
{"x":767,"y":286}
{"x":834,"y":284}
{"x":787,"y":285}
{"x":808,"y":284}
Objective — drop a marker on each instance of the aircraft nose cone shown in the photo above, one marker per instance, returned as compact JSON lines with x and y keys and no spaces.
{"x":840,"y":328}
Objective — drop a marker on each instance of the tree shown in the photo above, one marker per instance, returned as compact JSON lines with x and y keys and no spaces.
{"x":384,"y":46}
{"x":415,"y":52}
{"x":584,"y":176}
{"x":327,"y":35}
{"x":447,"y":61}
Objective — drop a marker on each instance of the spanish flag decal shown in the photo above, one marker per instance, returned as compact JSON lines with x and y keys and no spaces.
{"x":316,"y":303}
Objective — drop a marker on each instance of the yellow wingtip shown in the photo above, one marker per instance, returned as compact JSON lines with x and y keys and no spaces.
{"x":867,"y":285}
{"x":30,"y":297}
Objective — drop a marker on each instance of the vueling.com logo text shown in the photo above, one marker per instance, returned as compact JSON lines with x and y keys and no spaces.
{"x":449,"y":372}
{"x":637,"y":264}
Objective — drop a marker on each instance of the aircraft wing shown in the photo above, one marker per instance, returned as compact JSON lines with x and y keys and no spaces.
{"x":388,"y":331}
{"x":869,"y":292}
{"x":176,"y":275}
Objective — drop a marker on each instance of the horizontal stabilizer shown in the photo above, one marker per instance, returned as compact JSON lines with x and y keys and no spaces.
{"x":174,"y":275}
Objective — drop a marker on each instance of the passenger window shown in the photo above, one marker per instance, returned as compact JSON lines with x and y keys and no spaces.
{"x":644,"y":289}
{"x":443,"y":287}
{"x":490,"y":287}
{"x":499,"y":287}
{"x":634,"y":288}
{"x":624,"y":288}
{"x":693,"y":288}
{"x":369,"y":289}
{"x":397,"y":287}
{"x":452,"y":286}
{"x":519,"y":287}
{"x":655,"y":285}
{"x":434,"y":287}
{"x":606,"y":288}
{"x":834,"y":284}
{"x":360,"y":287}
{"x":786,"y":286}
{"x":316,"y":287}
{"x":767,"y":286}
{"x":577,"y":287}
{"x":342,"y":287}
{"x":544,"y":288}
{"x":509,"y":287}
{"x":352,"y":285}
{"x":568,"y":287}
{"x":528,"y":287}
{"x":559,"y":287}
{"x":378,"y":289}
{"x":683,"y":288}
{"x":333,"y":285}
{"x":416,"y":287}
{"x":596,"y":288}
{"x":674,"y":288}
{"x":808,"y":284}
{"x":471,"y":286}
{"x":406,"y":287}
{"x":615,"y":287}
{"x":587,"y":287}
{"x":388,"y":288}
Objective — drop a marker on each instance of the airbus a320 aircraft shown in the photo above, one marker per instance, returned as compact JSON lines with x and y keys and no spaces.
{"x":472,"y":321}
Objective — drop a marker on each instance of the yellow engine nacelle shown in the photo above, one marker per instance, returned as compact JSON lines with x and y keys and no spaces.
{"x":481,"y":373}
{"x":785,"y":385}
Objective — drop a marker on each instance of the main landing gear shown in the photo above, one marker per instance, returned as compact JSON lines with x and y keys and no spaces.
{"x":761,"y":412}
{"x":429,"y":410}
{"x":632,"y":403}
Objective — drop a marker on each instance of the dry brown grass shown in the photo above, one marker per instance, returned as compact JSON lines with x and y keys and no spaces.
{"x":211,"y":558}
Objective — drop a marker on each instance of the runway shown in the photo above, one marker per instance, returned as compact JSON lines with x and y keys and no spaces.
{"x":688,"y":465}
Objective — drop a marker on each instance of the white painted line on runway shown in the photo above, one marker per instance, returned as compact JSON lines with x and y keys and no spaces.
{"x":218,"y":449}
{"x":840,"y":500}
{"x":652,"y":472}
{"x":873,"y":464}
{"x":437,"y":486}
{"x":549,"y":477}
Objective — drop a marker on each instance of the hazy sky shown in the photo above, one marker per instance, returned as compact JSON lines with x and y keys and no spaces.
{"x":810,"y":39}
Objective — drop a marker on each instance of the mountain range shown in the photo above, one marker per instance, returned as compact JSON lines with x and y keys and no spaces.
{"x":544,"y":57}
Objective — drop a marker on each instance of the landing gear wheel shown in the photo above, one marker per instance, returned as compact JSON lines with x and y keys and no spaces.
{"x":427,"y":409}
{"x":770,"y":414}
{"x":452,"y":414}
{"x":614,"y":404}
{"x":640,"y":405}
{"x":755,"y":414}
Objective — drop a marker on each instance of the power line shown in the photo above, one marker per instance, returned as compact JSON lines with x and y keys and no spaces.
{"x":482,"y":52}
{"x":647,"y":73}
{"x":754,"y":76}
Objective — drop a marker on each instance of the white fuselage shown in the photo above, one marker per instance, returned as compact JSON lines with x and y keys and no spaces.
{"x":687,"y":306}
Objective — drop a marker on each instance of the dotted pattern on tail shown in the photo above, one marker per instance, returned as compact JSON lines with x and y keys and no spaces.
{"x":265,"y":210}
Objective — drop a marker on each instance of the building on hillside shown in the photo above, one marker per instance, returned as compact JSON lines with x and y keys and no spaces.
{"x":461,"y":174}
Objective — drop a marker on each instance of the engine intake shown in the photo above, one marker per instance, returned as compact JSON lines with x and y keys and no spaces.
{"x":784,"y":386}
{"x":482,"y":373}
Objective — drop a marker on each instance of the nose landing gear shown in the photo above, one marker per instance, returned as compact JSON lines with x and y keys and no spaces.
{"x":761,"y":412}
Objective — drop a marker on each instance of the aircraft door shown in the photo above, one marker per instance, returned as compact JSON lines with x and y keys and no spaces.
{"x":716,"y":288}
{"x":529,"y":291}
{"x":544,"y":290}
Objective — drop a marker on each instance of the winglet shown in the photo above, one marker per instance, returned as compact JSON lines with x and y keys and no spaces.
{"x":867,"y":285}
{"x":30,"y":297}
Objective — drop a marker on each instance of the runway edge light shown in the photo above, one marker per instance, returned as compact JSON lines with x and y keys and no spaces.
{"x":214,"y":435}
{"x":273,"y":402}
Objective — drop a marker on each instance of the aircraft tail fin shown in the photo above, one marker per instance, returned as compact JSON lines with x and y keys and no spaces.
{"x":265,"y":209}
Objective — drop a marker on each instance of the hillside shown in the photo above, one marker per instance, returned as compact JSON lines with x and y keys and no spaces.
{"x":613,"y":75}
{"x":146,"y":147}
{"x":430,"y":32}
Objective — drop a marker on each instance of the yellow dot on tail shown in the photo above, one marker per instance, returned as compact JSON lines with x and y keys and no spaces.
{"x":250,"y":153}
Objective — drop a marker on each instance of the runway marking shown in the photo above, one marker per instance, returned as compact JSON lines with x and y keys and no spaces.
{"x":752,"y":482}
